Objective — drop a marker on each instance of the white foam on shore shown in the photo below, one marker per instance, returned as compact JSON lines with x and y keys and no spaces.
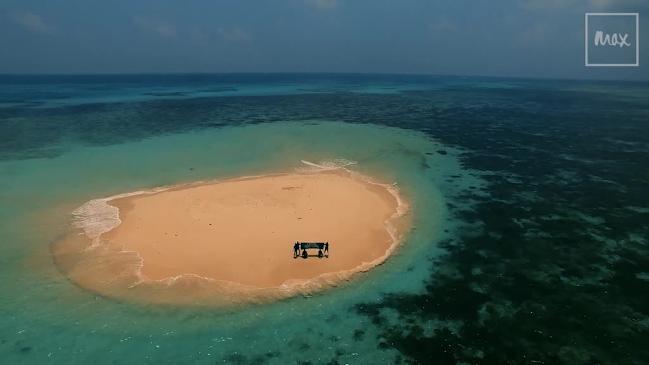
{"x":336,"y":164}
{"x":96,"y":217}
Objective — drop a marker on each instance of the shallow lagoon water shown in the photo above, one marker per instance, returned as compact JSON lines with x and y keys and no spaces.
{"x":51,"y":187}
{"x":530,"y":239}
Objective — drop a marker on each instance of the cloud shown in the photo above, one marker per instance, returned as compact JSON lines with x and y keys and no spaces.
{"x":533,"y":34}
{"x":155,"y":26}
{"x":580,"y":5}
{"x":31,"y":21}
{"x":323,"y":4}
{"x":234,"y":34}
{"x":553,"y":5}
{"x":617,"y":4}
{"x":443,"y":26}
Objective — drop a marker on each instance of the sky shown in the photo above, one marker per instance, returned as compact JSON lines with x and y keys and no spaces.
{"x":508,"y":38}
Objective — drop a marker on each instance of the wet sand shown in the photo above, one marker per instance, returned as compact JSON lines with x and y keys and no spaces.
{"x":232,"y":241}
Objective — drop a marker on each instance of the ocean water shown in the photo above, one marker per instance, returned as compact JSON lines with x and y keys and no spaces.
{"x":530,"y":203}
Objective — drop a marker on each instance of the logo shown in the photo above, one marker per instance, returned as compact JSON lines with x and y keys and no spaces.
{"x":612,"y":39}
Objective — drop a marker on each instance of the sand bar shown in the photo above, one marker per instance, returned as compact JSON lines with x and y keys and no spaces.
{"x":230,"y":241}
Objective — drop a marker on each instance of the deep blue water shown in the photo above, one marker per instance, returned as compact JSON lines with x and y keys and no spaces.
{"x":547,"y":263}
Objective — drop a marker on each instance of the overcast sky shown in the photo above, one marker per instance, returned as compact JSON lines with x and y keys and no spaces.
{"x":524,"y":38}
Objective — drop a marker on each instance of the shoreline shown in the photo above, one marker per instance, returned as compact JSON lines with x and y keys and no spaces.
{"x":102,"y":217}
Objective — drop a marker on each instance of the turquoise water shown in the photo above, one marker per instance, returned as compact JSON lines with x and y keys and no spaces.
{"x":530,"y":201}
{"x":53,"y":320}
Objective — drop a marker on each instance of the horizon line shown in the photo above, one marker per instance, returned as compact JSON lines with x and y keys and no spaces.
{"x":189,"y":73}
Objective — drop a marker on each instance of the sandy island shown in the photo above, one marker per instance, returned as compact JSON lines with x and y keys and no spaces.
{"x":228,"y":242}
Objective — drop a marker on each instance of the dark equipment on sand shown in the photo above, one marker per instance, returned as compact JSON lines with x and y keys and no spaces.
{"x":296,"y":250}
{"x":304,"y":246}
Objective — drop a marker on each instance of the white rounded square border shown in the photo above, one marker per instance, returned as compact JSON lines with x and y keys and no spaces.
{"x":637,"y":43}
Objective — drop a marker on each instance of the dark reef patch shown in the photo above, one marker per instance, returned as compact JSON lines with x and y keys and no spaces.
{"x":552,"y":274}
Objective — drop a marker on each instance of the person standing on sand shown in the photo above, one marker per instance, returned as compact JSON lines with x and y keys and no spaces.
{"x":327,"y":249}
{"x":296,"y":250}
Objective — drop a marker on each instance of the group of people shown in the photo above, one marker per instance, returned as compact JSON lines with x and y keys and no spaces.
{"x":300,"y":249}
